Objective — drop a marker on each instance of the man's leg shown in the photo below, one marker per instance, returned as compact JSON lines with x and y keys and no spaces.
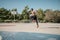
{"x":37,"y":23}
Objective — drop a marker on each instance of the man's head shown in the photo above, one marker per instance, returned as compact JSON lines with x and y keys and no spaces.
{"x":32,"y":9}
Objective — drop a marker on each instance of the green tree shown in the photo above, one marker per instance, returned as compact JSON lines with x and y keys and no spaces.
{"x":52,"y":16}
{"x":49,"y":15}
{"x":57,"y":16}
{"x":25,"y":12}
{"x":3,"y":13}
{"x":40,"y":14}
{"x":15,"y":14}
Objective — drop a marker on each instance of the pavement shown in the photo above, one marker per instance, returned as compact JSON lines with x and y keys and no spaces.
{"x":47,"y":28}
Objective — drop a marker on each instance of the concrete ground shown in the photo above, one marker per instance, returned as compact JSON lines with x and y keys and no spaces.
{"x":48,"y":28}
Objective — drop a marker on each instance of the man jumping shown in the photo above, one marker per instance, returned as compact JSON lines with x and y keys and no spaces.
{"x":33,"y":17}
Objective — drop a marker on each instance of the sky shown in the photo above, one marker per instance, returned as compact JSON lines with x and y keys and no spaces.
{"x":36,"y":4}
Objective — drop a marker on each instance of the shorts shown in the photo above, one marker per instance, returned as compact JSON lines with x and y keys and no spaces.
{"x":34,"y":17}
